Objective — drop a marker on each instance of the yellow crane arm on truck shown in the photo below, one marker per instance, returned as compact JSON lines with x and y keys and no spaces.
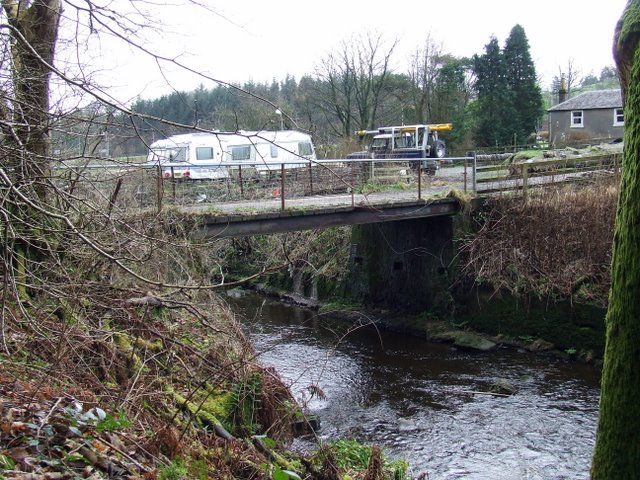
{"x":435,"y":127}
{"x":362,"y":133}
{"x":441,"y":127}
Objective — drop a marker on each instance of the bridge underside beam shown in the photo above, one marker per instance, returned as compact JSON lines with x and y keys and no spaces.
{"x":293,"y":220}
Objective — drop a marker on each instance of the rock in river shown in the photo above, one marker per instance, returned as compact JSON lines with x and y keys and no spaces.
{"x":472,"y":341}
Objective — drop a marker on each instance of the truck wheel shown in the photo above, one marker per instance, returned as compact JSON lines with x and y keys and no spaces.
{"x":438,"y":150}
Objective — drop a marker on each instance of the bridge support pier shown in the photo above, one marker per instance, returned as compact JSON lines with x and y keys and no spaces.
{"x":403,"y":265}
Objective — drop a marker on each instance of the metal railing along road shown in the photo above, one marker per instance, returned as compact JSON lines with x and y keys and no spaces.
{"x":248,"y":186}
{"x":251,"y":184}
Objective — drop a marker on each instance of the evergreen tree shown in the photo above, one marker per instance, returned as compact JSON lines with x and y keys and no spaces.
{"x":617,"y":451}
{"x":521,"y":78}
{"x":494,"y":106}
{"x":451,"y":98}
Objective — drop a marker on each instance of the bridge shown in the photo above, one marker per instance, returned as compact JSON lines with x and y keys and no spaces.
{"x":403,"y":228}
{"x":250,"y":199}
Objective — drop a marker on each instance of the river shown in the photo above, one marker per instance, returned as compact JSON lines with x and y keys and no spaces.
{"x":413,"y":397}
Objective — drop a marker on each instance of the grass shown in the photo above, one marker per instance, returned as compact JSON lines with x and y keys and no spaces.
{"x":375,"y":187}
{"x":557,"y":243}
{"x":527,"y":154}
{"x":354,"y":458}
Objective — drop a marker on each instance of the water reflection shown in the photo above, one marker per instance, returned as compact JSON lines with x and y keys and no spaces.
{"x":413,"y":397}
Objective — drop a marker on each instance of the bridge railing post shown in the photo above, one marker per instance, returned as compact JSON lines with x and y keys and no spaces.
{"x":420,"y":180}
{"x":282,"y":186}
{"x":465,"y":172}
{"x":173,"y":185}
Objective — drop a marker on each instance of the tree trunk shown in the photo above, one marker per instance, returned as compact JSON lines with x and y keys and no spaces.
{"x":34,"y":40}
{"x":617,"y":452}
{"x":33,"y":31}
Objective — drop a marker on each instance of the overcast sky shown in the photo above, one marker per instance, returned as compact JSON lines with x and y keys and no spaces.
{"x":261,"y":40}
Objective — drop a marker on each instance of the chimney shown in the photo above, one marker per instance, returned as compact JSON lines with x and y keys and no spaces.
{"x":562,"y":90}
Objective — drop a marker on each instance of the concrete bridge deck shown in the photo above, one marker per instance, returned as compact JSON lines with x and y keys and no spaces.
{"x":292,"y":219}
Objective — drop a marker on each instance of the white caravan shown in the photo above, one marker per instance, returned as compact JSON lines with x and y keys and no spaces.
{"x":213,"y":155}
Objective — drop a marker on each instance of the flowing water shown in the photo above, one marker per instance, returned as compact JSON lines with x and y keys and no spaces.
{"x":414,"y":398}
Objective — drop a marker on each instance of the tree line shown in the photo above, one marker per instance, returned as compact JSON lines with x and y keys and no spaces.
{"x":492,"y":99}
{"x":352,"y":88}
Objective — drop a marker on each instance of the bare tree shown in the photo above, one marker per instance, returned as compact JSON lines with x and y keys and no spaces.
{"x":425,"y":65}
{"x":353,"y":81}
{"x":336,"y":89}
{"x":571,"y":75}
{"x":371,"y":65}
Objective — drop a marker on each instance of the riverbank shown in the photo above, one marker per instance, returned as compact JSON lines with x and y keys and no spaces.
{"x":429,"y":403}
{"x":156,"y":389}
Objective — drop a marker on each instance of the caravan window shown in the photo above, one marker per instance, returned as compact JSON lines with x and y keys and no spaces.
{"x":241,"y":152}
{"x":274,"y":151}
{"x":163,"y":154}
{"x":304,"y":149}
{"x":204,"y":153}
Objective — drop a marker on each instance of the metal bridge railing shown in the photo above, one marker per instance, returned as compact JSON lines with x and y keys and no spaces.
{"x":249,"y":186}
{"x":252,"y":184}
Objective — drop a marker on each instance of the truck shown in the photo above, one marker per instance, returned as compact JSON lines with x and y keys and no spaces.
{"x":203,"y":155}
{"x":405,"y":141}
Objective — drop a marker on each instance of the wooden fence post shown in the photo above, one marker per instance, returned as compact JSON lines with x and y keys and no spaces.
{"x":160,"y":189}
{"x":465,"y":173}
{"x":474,"y":172}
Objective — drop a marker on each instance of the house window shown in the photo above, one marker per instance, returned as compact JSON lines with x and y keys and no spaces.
{"x":577,"y":119}
{"x":242,"y":152}
{"x":618,"y":117}
{"x":274,"y":151}
{"x":204,"y":153}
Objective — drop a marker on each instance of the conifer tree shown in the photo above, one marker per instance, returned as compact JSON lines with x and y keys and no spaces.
{"x":494,"y":106}
{"x":521,"y":77}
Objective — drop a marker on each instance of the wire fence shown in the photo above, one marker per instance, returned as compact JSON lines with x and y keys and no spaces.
{"x":243,"y":187}
{"x":253,"y":186}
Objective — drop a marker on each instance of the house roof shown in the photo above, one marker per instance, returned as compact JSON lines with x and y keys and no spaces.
{"x":591,"y":100}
